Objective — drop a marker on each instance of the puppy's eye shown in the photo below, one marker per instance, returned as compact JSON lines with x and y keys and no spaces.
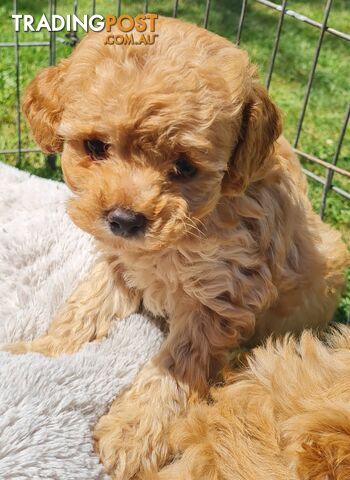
{"x":183,"y":169}
{"x":96,"y":148}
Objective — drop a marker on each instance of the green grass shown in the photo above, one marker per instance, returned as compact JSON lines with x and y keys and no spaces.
{"x":327,"y":104}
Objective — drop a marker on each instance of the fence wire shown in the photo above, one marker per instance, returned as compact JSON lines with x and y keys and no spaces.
{"x":324,"y":29}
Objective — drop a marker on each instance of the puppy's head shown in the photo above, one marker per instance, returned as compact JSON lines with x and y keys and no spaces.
{"x":153,"y":136}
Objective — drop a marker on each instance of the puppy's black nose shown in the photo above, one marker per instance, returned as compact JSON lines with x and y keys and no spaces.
{"x":126,"y":223}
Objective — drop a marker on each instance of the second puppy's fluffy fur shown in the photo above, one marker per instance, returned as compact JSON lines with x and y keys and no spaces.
{"x":200,"y":213}
{"x":285,"y":417}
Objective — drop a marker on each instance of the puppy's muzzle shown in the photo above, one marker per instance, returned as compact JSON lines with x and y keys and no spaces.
{"x":126,"y":223}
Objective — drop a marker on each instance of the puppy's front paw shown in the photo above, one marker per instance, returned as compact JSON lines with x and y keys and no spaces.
{"x":130,"y":446}
{"x":132,"y":439}
{"x":46,"y":345}
{"x":16,"y":348}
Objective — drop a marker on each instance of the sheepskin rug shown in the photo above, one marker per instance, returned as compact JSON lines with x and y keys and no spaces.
{"x":48,"y":407}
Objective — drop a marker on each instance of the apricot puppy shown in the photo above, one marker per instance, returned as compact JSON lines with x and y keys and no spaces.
{"x":286,"y":416}
{"x":200,"y":213}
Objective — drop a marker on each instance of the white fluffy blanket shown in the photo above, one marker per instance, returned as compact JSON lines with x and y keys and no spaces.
{"x":49,"y":406}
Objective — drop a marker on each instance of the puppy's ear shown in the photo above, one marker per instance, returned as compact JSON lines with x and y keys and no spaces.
{"x":43,"y":106}
{"x":261,"y":125}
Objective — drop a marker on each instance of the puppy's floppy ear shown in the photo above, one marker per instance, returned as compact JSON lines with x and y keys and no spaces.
{"x":261,"y":125}
{"x":43,"y":106}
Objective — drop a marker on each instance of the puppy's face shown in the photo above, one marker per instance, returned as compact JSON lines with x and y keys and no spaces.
{"x":152,"y":136}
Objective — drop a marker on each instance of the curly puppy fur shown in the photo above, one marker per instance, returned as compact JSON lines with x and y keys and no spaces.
{"x":286,"y":416}
{"x":228,"y":256}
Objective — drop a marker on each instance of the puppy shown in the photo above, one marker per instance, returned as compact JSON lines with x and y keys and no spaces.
{"x":200,"y":213}
{"x":286,"y":416}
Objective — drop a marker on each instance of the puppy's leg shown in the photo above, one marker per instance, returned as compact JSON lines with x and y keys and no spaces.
{"x":87,"y":314}
{"x":132,"y":437}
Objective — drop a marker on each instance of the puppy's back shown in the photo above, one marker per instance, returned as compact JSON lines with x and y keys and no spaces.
{"x":286,"y":416}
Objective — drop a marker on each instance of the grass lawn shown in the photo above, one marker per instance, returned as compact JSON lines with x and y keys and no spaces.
{"x":327,"y":104}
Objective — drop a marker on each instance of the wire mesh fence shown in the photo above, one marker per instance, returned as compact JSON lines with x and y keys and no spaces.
{"x":328,"y":163}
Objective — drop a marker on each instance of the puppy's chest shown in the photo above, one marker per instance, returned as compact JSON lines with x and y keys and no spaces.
{"x":159,"y":279}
